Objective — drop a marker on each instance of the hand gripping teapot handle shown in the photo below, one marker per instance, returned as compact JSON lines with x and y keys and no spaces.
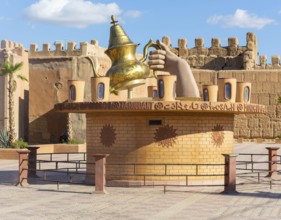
{"x":150,"y":43}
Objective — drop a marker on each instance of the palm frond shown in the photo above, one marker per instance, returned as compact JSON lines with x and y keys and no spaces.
{"x":22,"y":77}
{"x":113,"y":91}
{"x":9,"y":68}
{"x":18,"y":66}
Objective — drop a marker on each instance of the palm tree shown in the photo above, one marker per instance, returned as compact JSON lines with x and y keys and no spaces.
{"x":10,"y":70}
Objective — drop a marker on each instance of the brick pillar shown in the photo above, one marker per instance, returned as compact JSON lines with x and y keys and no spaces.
{"x":32,"y":161}
{"x":272,"y":156}
{"x":230,"y":173}
{"x":100,"y":180}
{"x":23,"y":166}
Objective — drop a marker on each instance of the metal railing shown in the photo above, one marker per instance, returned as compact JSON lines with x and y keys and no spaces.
{"x":256,"y":165}
{"x":77,"y":166}
{"x":49,"y":165}
{"x":166,"y":172}
{"x":68,"y":154}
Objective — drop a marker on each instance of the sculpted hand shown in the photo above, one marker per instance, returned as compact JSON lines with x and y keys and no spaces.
{"x":166,"y":60}
{"x":163,"y":59}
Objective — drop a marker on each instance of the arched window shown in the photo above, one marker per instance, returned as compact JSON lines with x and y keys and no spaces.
{"x":246,"y":94}
{"x":175,"y":90}
{"x":100,"y":91}
{"x":154,"y":93}
{"x":227,"y":90}
{"x":161,"y":88}
{"x":72,"y":91}
{"x":205,"y":94}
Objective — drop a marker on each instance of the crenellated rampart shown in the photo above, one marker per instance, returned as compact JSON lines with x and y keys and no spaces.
{"x":275,"y":63}
{"x":230,"y":57}
{"x":85,"y":49}
{"x":11,"y":47}
{"x":7,"y":44}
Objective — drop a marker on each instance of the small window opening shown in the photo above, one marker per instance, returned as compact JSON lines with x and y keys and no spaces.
{"x":154,"y":93}
{"x":72,"y":91}
{"x":175,"y":90}
{"x":154,"y":122}
{"x":161,"y":88}
{"x":246,"y":94}
{"x":205,"y":94}
{"x":227,"y":89}
{"x":100,"y":91}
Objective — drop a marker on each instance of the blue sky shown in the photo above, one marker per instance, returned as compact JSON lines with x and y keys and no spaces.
{"x":41,"y":21}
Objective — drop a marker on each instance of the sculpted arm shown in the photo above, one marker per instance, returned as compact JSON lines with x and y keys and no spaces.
{"x":165,"y":60}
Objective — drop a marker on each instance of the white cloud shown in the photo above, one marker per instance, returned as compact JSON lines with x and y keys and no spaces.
{"x":242,"y":19}
{"x":133,"y":13}
{"x":72,"y":13}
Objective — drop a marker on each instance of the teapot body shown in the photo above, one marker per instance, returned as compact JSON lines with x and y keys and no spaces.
{"x":126,"y":71}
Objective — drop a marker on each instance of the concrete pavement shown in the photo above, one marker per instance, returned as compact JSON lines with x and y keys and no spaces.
{"x":43,"y":201}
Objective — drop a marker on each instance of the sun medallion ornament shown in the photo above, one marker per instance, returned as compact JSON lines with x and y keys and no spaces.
{"x":165,"y":136}
{"x":107,"y":135}
{"x":218,"y":135}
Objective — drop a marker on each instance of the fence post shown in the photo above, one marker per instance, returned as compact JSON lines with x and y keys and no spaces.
{"x":272,"y":158}
{"x":23,"y":166}
{"x":100,"y":169}
{"x":32,"y":161}
{"x":230,"y":173}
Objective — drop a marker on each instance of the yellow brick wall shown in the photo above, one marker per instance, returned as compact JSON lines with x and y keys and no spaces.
{"x":135,"y":143}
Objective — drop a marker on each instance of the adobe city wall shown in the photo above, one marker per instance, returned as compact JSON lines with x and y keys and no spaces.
{"x":50,"y":70}
{"x":265,"y":90}
{"x":49,"y":73}
{"x":15,"y":53}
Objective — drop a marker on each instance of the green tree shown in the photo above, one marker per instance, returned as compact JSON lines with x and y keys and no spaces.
{"x":279,"y":99}
{"x":11,"y":70}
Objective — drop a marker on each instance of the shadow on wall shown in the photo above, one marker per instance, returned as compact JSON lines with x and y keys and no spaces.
{"x":224,"y":63}
{"x":47,"y":128}
{"x":23,"y":116}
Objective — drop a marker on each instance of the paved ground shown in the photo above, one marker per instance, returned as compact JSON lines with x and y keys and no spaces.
{"x":43,"y":201}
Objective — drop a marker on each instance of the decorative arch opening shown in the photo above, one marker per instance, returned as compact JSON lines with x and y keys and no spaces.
{"x":154,"y":93}
{"x":175,"y":90}
{"x":72,"y":91}
{"x":227,"y":91}
{"x":246,"y":94}
{"x":161,"y":88}
{"x":101,"y":91}
{"x":206,"y":94}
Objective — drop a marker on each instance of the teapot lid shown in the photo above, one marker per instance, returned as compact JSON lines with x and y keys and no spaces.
{"x":118,"y":36}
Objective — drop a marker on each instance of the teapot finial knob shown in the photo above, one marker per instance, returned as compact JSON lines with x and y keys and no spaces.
{"x":113,"y":19}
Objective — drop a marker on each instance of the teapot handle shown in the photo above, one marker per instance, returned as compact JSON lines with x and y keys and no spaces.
{"x":150,"y":43}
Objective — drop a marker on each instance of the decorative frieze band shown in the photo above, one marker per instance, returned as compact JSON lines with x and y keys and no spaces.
{"x":192,"y":106}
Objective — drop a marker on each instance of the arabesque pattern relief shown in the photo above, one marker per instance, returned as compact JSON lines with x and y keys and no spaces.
{"x":107,"y":135}
{"x":165,"y":136}
{"x":217,"y":135}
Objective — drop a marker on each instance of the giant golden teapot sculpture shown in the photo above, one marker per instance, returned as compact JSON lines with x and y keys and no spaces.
{"x":126,"y":71}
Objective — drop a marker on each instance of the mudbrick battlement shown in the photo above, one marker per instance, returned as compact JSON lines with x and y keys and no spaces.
{"x":216,"y":57}
{"x":231,"y":57}
{"x":11,"y":47}
{"x":7,"y":44}
{"x":86,"y":49}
